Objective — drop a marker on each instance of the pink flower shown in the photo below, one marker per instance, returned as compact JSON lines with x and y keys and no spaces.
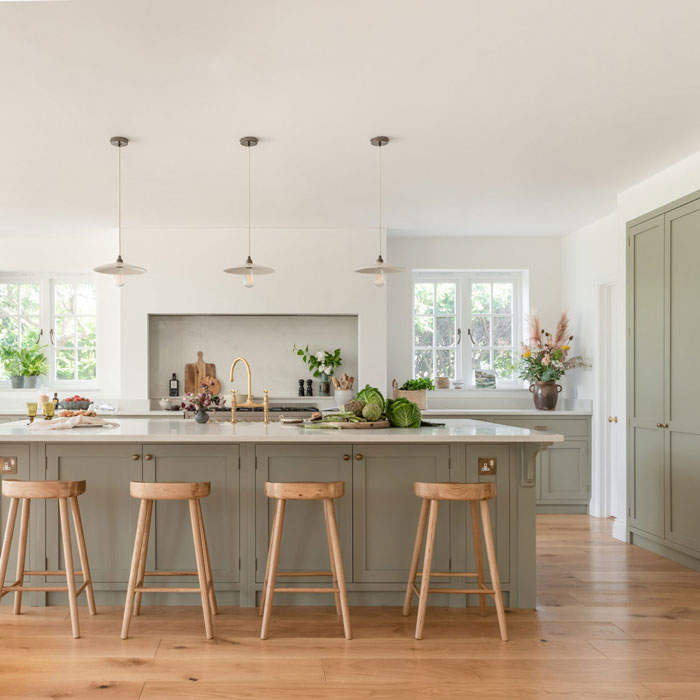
{"x":545,"y":360}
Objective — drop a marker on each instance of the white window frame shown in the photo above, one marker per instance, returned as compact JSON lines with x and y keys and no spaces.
{"x":464,"y":280}
{"x":46,"y":284}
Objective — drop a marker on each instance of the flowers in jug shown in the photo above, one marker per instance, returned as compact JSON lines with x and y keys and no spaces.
{"x":205,"y":400}
{"x":545,"y":357}
{"x":322,"y":362}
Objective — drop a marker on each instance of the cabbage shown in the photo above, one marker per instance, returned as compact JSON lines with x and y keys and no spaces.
{"x":403,"y":413}
{"x":371,"y":395}
{"x":372,"y":412}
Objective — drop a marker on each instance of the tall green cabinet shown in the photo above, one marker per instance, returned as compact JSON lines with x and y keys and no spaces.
{"x":663,"y":315}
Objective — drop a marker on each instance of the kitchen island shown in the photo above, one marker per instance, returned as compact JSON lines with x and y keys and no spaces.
{"x":376,"y":517}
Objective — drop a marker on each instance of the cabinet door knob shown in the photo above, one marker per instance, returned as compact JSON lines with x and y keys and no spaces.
{"x":359,"y":458}
{"x":615,"y":419}
{"x":540,"y":427}
{"x":136,"y":457}
{"x":148,"y":458}
{"x":659,"y":425}
{"x":609,"y":419}
{"x":346,"y":457}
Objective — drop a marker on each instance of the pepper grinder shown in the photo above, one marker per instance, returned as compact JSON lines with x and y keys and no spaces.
{"x":301,"y":388}
{"x":309,"y":387}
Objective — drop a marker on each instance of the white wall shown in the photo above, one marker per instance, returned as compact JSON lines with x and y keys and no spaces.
{"x":314,"y":275}
{"x":540,"y":256}
{"x":589,"y":259}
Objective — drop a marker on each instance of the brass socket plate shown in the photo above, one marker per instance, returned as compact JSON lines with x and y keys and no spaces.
{"x":8,"y":465}
{"x":487,"y":466}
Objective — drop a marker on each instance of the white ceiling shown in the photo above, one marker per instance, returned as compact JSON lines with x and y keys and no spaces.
{"x":506,"y":117}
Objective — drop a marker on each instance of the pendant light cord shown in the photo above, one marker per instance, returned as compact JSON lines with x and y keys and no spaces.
{"x":249,"y":198}
{"x":380,"y":200}
{"x":119,"y":197}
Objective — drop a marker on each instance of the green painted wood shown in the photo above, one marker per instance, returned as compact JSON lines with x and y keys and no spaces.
{"x":304,"y":542}
{"x":564,"y":473}
{"x":108,"y":513}
{"x":386,"y":509}
{"x":171,"y":547}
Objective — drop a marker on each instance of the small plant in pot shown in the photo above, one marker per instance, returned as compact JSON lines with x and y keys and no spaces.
{"x":33,"y":364}
{"x":545,"y":359}
{"x":322,"y":364}
{"x":199,"y":403}
{"x":415,"y":390}
{"x":10,"y":359}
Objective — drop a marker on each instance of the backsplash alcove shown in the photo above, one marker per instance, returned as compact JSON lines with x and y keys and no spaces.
{"x":266,"y":341}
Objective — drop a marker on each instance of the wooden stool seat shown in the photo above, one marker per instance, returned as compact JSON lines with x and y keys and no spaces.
{"x":13,"y":488}
{"x":169,"y":490}
{"x":148,"y":492}
{"x":447,"y":491}
{"x":305,"y":491}
{"x":478,"y":496}
{"x":64,"y":491}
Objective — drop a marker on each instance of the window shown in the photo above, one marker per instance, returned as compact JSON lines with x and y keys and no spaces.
{"x":59,"y":313}
{"x":466,"y":321}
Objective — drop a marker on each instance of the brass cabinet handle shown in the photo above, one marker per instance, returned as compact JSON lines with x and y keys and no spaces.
{"x":659,"y":425}
{"x":615,"y":419}
{"x":148,"y":458}
{"x":135,"y":457}
{"x":540,"y":427}
{"x":610,"y":420}
{"x":665,"y":425}
{"x":346,"y":457}
{"x":359,"y":458}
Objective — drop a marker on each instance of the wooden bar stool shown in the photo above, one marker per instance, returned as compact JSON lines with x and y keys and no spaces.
{"x":170,"y":491}
{"x":63,"y":491}
{"x":305,"y":491}
{"x":432,"y":494}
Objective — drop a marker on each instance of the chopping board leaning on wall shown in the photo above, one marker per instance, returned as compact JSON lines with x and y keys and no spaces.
{"x":200,"y":372}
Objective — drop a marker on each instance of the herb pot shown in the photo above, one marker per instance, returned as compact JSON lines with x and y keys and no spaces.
{"x":31,"y":382}
{"x":17,"y":382}
{"x":201,"y":416}
{"x":545,"y":395}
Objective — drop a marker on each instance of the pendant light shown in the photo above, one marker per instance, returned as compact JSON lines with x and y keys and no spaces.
{"x":119,"y":268}
{"x":249,"y":268}
{"x":380,"y":268}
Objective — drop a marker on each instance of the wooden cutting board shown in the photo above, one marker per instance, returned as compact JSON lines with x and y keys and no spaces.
{"x":366,"y":425}
{"x":196,"y":372}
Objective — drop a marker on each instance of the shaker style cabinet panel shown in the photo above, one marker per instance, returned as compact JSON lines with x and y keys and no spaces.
{"x":304,"y":541}
{"x":21,"y":452}
{"x":170,"y":546}
{"x":386,"y":508}
{"x":108,"y":512}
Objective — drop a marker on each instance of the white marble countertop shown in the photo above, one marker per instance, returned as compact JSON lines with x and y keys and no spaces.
{"x":504,"y":412}
{"x":189,"y":431}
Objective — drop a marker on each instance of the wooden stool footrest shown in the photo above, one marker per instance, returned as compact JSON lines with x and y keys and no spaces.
{"x":307,"y":590}
{"x":448,"y":574}
{"x":475,"y":591}
{"x":170,"y":573}
{"x":303,"y":573}
{"x":143,"y":589}
{"x":50,"y":573}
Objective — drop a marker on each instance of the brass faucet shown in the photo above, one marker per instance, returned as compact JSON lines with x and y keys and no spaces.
{"x":265,"y":405}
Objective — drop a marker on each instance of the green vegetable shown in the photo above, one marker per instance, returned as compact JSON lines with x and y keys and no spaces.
{"x":403,"y":413}
{"x":418,"y":384}
{"x":355,"y":407}
{"x":371,"y":395}
{"x":372,"y":412}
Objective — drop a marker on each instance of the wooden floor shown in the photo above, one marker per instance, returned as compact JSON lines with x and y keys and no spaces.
{"x":613,"y":622}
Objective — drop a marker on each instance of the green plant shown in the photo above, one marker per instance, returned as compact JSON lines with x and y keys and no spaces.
{"x":371,"y":395}
{"x":403,"y":413}
{"x":323,"y":362}
{"x":418,"y":384}
{"x":32,"y":360}
{"x":372,"y":412}
{"x":10,"y":359}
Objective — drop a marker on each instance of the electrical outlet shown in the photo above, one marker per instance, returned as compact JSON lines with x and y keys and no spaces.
{"x":8,"y":465}
{"x":487,"y":465}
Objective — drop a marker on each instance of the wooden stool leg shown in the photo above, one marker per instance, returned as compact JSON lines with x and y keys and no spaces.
{"x":207,"y":561}
{"x":416,"y":556}
{"x":338,"y":609}
{"x":70,"y":571}
{"x":22,"y":552}
{"x":143,"y":554}
{"x":478,"y":554}
{"x":493,"y":568}
{"x":135,"y":557}
{"x":82,"y":553}
{"x":329,"y":508}
{"x":201,"y":573}
{"x":272,"y":573}
{"x":7,"y":540}
{"x":427,"y":565}
{"x":261,"y":609}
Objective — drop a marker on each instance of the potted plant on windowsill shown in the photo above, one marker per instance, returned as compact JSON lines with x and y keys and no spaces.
{"x":33,"y":364}
{"x":415,"y":390}
{"x":10,"y":359}
{"x":545,"y":359}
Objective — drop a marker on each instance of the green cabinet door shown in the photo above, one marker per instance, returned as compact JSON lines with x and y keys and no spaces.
{"x":107,"y":510}
{"x":564,"y":472}
{"x":386,"y":509}
{"x":304,"y":543}
{"x":21,"y":452}
{"x":646,"y":316}
{"x":171,"y":547}
{"x":682,"y":335}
